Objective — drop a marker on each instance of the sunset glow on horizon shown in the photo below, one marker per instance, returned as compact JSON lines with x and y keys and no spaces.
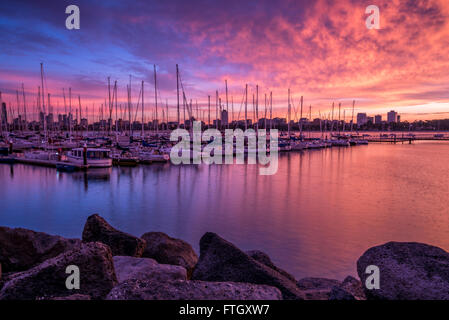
{"x":321,"y":50}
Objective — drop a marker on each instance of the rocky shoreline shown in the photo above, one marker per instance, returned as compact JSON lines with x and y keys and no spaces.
{"x":118,"y":266}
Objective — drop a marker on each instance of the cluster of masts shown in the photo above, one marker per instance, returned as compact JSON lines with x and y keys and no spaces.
{"x":112,"y":108}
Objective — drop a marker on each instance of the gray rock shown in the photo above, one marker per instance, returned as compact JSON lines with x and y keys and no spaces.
{"x":221,"y":261}
{"x":262,"y":257}
{"x":165,"y":249}
{"x":146,"y":269}
{"x":354,"y":287}
{"x":48,"y":279}
{"x":408,"y":271}
{"x":97,"y":229}
{"x":74,"y":297}
{"x":192,"y":290}
{"x":22,"y":249}
{"x":338,"y":293}
{"x":317,"y":288}
{"x":317,"y":283}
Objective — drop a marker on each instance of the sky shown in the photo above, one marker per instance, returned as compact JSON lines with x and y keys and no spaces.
{"x":321,"y":50}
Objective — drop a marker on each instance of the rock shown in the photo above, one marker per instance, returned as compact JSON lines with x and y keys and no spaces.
{"x":192,"y":290}
{"x":262,"y":257}
{"x":74,"y":297}
{"x":165,"y":249}
{"x":338,"y":293}
{"x":221,"y":261}
{"x":48,"y":279}
{"x":354,"y":287}
{"x":146,"y":269}
{"x":121,"y":244}
{"x":317,"y":288}
{"x":22,"y":249}
{"x":408,"y":271}
{"x":317,"y":283}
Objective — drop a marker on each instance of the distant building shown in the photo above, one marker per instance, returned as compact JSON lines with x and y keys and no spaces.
{"x":4,"y":117}
{"x":224,"y":117}
{"x":398,"y":118}
{"x":361,"y":119}
{"x":392,"y":116}
{"x":378,"y":119}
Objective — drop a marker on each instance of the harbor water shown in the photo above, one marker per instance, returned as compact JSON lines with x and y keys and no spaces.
{"x":314,"y":217}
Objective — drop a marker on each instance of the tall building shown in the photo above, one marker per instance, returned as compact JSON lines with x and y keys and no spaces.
{"x":378,"y":119}
{"x":361,"y":119}
{"x":4,"y":116}
{"x":392,"y":116}
{"x":224,"y":117}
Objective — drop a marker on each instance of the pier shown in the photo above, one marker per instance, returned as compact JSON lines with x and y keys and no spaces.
{"x":406,"y":138}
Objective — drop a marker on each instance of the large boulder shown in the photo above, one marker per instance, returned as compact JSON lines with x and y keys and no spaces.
{"x":408,"y":271}
{"x":48,"y":279}
{"x":221,"y":261}
{"x":121,"y":243}
{"x":22,"y":249}
{"x":165,"y":249}
{"x":146,"y":269}
{"x":262,"y":257}
{"x":192,"y":290}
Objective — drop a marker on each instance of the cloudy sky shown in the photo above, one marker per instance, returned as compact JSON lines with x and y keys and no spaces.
{"x":321,"y":50}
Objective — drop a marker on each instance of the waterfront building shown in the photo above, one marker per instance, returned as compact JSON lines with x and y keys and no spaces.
{"x":361,"y":119}
{"x":392,"y":116}
{"x":378,"y":119}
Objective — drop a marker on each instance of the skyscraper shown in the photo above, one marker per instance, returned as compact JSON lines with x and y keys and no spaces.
{"x":392,"y":116}
{"x":378,"y":119}
{"x":361,"y":119}
{"x":224,"y":118}
{"x":4,"y":116}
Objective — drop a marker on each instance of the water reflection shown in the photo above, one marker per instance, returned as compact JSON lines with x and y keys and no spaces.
{"x":315,"y":217}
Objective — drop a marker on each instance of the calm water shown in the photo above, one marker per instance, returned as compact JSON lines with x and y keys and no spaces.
{"x":315,"y":217}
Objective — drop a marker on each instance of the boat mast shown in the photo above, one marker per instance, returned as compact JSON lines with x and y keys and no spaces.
{"x":155,"y":98}
{"x":116,"y":109}
{"x":43,"y":100}
{"x":271,"y":110}
{"x":310,"y":120}
{"x":338,"y":125}
{"x":143,"y":105}
{"x":109,"y":105}
{"x":216,"y":109}
{"x":332,"y":119}
{"x":24,"y":107}
{"x":1,"y":115}
{"x":177,"y":90}
{"x":265,"y":117}
{"x":70,"y":114}
{"x":288,"y":115}
{"x":352,"y":120}
{"x":300,"y":120}
{"x":79,"y":105}
{"x":227,"y":106}
{"x":208,"y":106}
{"x":18,"y":112}
{"x":246,"y":107}
{"x":257,"y":107}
